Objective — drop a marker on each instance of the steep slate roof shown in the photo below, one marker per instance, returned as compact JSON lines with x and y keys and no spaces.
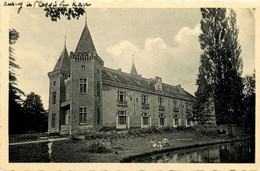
{"x":118,"y":77}
{"x":85,"y":42}
{"x":64,"y":61}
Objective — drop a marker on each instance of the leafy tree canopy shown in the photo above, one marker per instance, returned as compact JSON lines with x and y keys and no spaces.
{"x":220,"y":64}
{"x":69,"y":13}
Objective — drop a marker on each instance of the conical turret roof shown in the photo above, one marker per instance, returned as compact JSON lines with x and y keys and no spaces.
{"x":85,"y":42}
{"x":133,"y":70}
{"x":64,"y":60}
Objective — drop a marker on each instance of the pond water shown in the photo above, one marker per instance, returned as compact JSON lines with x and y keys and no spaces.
{"x":36,"y":152}
{"x":237,"y":152}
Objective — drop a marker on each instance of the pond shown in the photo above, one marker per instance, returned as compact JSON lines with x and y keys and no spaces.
{"x":35,"y":152}
{"x":236,"y":152}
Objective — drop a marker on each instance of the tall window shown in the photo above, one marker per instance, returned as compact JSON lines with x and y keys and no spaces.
{"x":67,"y":93}
{"x":53,"y":120}
{"x":176,"y":122}
{"x":53,"y":97}
{"x":188,"y":122}
{"x":83,"y":85}
{"x":98,"y":117}
{"x":162,"y":119}
{"x":121,"y":96}
{"x":82,"y":115}
{"x":121,"y":117}
{"x":98,"y":88}
{"x":145,"y":118}
{"x":144,"y":99}
{"x":161,"y":101}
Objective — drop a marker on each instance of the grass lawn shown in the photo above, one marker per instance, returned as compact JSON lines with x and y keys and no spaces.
{"x":77,"y":151}
{"x":124,"y":146}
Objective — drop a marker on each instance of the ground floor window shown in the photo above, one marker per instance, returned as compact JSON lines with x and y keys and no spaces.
{"x":161,"y":121}
{"x":176,"y":122}
{"x":188,"y":122}
{"x":82,"y":115}
{"x":98,"y":117}
{"x":145,"y":120}
{"x":122,"y":120}
{"x":53,"y":118}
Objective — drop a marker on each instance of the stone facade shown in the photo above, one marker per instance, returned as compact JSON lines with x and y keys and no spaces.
{"x":84,"y":94}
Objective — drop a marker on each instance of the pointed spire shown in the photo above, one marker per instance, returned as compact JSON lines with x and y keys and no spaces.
{"x":133,"y":70}
{"x":64,"y":60}
{"x":85,"y":42}
{"x":65,"y":43}
{"x":86,"y":20}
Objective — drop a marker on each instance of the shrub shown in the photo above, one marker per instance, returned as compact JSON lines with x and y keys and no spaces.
{"x":74,"y":138}
{"x":152,"y":129}
{"x":158,"y":130}
{"x":98,"y":146}
{"x":189,"y":129}
{"x":144,"y":131}
{"x":131,"y":132}
{"x":206,"y":132}
{"x":24,"y":137}
{"x":166,"y":129}
{"x":180,"y":128}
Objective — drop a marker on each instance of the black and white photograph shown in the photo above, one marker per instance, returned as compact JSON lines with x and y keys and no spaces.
{"x":131,"y":85}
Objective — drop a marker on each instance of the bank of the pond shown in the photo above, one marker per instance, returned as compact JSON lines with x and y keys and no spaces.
{"x":123,"y":149}
{"x":133,"y":157}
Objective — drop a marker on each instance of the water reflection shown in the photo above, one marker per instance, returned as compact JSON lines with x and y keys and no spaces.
{"x":239,"y":152}
{"x":50,"y":149}
{"x":37,"y":152}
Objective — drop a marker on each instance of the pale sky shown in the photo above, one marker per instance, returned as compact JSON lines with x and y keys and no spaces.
{"x":163,"y":42}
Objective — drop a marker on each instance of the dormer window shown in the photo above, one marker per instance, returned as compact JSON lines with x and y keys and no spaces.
{"x":158,"y":83}
{"x":160,"y":101}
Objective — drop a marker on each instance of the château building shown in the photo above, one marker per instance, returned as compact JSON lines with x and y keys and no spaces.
{"x":84,"y":94}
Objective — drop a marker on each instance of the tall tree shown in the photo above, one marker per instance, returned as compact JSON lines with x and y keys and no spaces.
{"x":15,"y":109}
{"x":201,"y":109}
{"x":220,"y":64}
{"x":36,"y":118}
{"x":249,"y":103}
{"x":15,"y":93}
